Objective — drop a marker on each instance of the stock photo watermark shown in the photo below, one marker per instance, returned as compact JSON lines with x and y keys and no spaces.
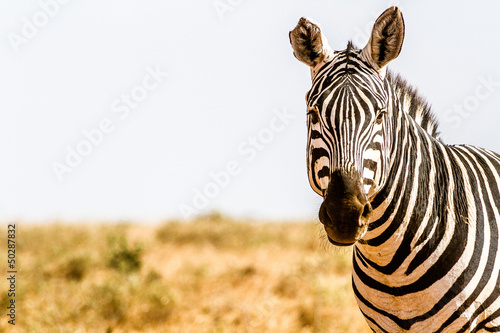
{"x":470,"y":104}
{"x":31,"y":26}
{"x":222,"y":7}
{"x":11,"y":273}
{"x":260,"y":313}
{"x":247,"y":150}
{"x":121,"y":107}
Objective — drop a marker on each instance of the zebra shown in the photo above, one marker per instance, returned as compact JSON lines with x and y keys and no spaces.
{"x":421,"y":216}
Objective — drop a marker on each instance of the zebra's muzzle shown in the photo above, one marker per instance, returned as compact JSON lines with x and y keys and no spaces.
{"x":345,"y":211}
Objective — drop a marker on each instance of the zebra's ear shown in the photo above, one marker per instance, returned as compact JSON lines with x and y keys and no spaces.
{"x":386,"y":40}
{"x":309,"y":44}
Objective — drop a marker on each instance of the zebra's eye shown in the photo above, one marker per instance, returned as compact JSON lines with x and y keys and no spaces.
{"x":313,"y":114}
{"x":380,"y":116}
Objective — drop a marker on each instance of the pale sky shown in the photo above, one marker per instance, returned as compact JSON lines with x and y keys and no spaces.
{"x":149,"y":110}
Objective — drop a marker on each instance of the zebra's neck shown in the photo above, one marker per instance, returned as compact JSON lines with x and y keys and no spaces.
{"x":407,"y":211}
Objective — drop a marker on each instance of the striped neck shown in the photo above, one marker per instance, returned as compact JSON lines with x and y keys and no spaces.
{"x":402,"y":209}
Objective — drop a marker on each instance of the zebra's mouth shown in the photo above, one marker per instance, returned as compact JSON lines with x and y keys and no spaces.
{"x":339,"y":244}
{"x":346,"y":235}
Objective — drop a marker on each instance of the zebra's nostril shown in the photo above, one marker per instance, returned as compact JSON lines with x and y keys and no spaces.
{"x":366,"y":210}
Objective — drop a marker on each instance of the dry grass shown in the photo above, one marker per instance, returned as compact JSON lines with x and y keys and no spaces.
{"x":211,"y":275}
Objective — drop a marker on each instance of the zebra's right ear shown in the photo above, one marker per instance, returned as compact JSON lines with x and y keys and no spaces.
{"x":386,"y":40}
{"x":309,"y":44}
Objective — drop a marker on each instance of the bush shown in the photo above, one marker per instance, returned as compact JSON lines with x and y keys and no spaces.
{"x":75,"y":268}
{"x":125,"y":259}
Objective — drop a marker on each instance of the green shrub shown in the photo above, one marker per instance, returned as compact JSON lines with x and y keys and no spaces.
{"x":123,"y":258}
{"x":75,"y":268}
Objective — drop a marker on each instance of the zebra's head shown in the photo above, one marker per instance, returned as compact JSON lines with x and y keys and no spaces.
{"x":349,"y":121}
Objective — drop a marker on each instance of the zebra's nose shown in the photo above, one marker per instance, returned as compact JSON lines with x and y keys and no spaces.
{"x":367,"y":211}
{"x":345,"y":211}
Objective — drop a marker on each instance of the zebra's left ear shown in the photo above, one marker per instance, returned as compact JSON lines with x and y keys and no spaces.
{"x":309,"y":44}
{"x":386,"y":40}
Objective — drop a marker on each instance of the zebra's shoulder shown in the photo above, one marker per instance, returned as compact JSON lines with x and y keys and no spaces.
{"x":414,"y":104}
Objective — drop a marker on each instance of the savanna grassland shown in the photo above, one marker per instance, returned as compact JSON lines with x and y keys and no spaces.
{"x":209,"y":275}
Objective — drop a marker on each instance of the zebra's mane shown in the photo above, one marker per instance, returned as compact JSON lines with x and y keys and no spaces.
{"x":414,"y":104}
